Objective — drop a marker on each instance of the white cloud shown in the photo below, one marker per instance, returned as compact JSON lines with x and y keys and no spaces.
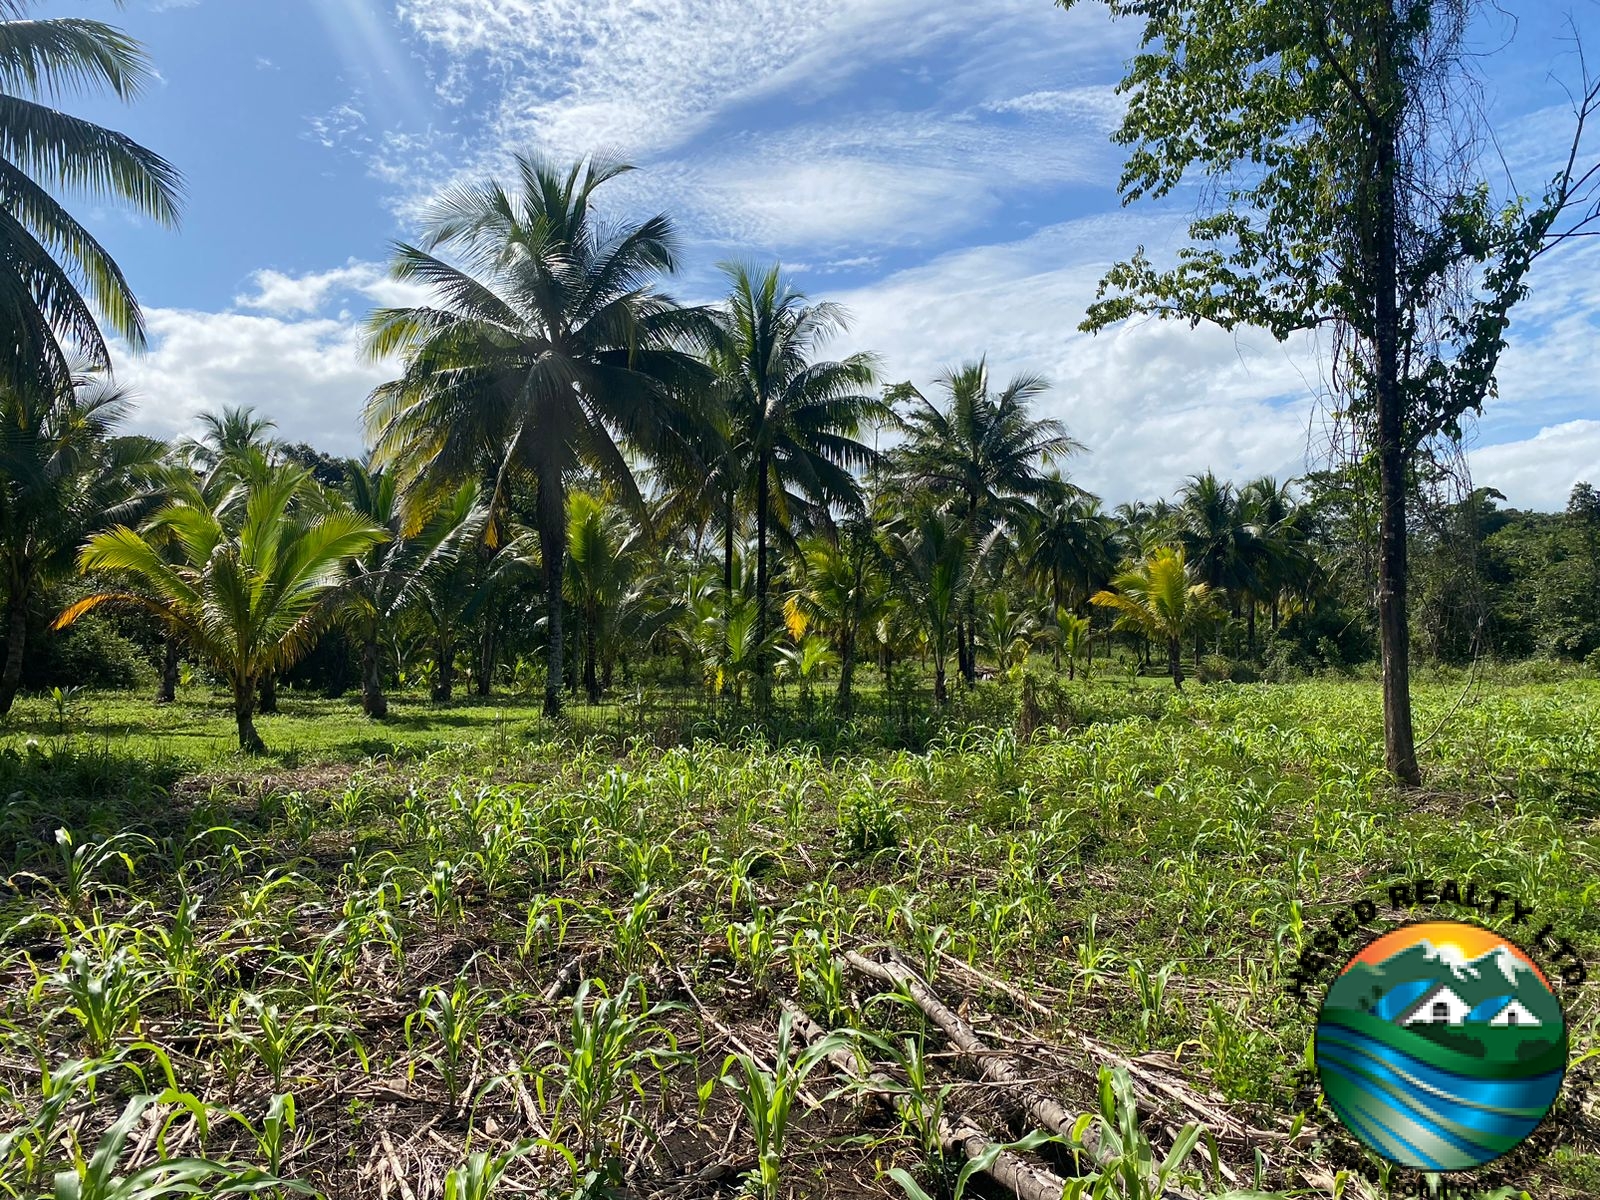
{"x":308,"y":375}
{"x":1539,"y":472}
{"x":287,"y":295}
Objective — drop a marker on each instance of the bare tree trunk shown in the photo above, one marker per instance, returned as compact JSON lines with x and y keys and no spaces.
{"x":484,"y":683}
{"x":269,"y":694}
{"x":553,"y":550}
{"x":244,"y":709}
{"x":167,"y":687}
{"x":938,"y":681}
{"x":1399,"y":738}
{"x":444,"y":657}
{"x":373,"y":702}
{"x":591,"y":680}
{"x":763,"y":499}
{"x":1175,"y":662}
{"x":16,"y":643}
{"x":847,"y":670}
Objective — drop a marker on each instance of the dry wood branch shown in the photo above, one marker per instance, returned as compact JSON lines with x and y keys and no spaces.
{"x":955,"y":1136}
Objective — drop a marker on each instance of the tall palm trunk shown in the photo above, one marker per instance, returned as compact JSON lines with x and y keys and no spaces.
{"x":1175,"y":662}
{"x":444,"y":657}
{"x":269,"y":694}
{"x":847,"y":670}
{"x":483,"y":684}
{"x":16,"y":643}
{"x":553,"y":550}
{"x":244,"y":711}
{"x":938,"y":679}
{"x":763,"y":499}
{"x":167,"y":687}
{"x":373,"y":702}
{"x":591,"y":680}
{"x":1250,"y":626}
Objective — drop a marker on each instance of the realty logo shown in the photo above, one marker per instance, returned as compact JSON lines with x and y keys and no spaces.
{"x":1441,"y":1046}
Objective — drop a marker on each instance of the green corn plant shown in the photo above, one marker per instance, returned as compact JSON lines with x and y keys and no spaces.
{"x":476,"y":1178}
{"x":58,"y":1087}
{"x":451,"y":1020}
{"x":272,"y":1135}
{"x":752,"y":946}
{"x":274,"y":1037}
{"x":177,"y":946}
{"x":97,"y":1178}
{"x":767,"y":1097}
{"x":1093,"y":959}
{"x":609,"y":1046}
{"x":1150,"y":988}
{"x":544,"y":930}
{"x":1127,"y":1167}
{"x":81,"y":865}
{"x":972,"y":1168}
{"x":103,"y":997}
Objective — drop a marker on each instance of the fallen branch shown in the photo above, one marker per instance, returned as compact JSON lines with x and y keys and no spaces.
{"x":955,"y":1136}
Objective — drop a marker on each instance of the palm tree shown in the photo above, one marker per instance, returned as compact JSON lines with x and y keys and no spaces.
{"x":394,"y":572}
{"x":251,"y":593}
{"x":546,"y":349}
{"x":985,"y":452}
{"x":933,"y":563}
{"x":59,"y":285}
{"x":791,"y":422}
{"x":63,"y":475}
{"x":602,"y":562}
{"x":231,"y":445}
{"x":1070,"y":543}
{"x":843,"y":591}
{"x":1158,"y":599}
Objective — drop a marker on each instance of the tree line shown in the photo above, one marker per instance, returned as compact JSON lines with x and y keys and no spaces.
{"x":570,"y":458}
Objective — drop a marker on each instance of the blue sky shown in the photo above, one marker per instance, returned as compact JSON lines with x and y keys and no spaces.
{"x":942,"y":169}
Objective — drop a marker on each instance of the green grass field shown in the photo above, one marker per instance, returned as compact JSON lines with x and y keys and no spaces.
{"x":398,"y":942}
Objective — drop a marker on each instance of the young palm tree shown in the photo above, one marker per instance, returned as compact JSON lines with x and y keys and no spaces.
{"x":63,"y":475}
{"x":602,"y":561}
{"x":792,"y":422}
{"x":393,"y":573}
{"x":251,"y":594}
{"x":58,"y":286}
{"x":985,"y":451}
{"x":933,"y":564}
{"x":843,"y":591}
{"x":1158,"y":600}
{"x":547,"y":348}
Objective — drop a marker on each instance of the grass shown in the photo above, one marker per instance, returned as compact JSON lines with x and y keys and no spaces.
{"x":473,"y":950}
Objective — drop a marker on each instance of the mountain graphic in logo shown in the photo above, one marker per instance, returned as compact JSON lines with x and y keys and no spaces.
{"x":1441,"y":1046}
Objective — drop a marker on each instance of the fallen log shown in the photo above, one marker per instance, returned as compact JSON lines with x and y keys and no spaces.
{"x":996,"y":1067}
{"x":961,"y":1136}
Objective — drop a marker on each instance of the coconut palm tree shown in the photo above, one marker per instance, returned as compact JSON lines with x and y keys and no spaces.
{"x":933,"y":560}
{"x":1158,"y":599}
{"x":792,"y":422}
{"x":603,"y":558}
{"x":252,"y":591}
{"x":547,"y":348}
{"x":59,"y":288}
{"x":1069,"y":543}
{"x":64,"y":473}
{"x":843,"y":590}
{"x":393,"y":573}
{"x":984,"y":451}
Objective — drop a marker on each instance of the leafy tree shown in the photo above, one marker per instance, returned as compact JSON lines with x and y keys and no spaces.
{"x":547,"y":349}
{"x":1159,"y":599}
{"x":252,"y":592}
{"x":55,"y":278}
{"x":792,"y":421}
{"x":64,"y":473}
{"x":1408,"y":258}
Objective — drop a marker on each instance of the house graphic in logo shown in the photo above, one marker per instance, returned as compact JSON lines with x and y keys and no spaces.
{"x":1441,"y":1046}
